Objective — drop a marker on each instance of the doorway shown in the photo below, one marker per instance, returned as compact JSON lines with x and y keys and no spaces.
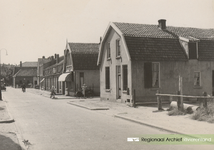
{"x":118,"y":82}
{"x":213,"y":82}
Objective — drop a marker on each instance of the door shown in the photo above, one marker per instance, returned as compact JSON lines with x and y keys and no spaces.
{"x":213,"y":82}
{"x":118,"y":70}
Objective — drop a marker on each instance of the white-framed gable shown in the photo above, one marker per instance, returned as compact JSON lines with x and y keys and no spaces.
{"x":68,"y":61}
{"x":105,"y":36}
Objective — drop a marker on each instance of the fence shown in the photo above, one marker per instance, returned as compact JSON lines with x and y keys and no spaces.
{"x":201,"y":99}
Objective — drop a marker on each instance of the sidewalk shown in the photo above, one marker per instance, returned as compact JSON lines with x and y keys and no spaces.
{"x":8,"y":136}
{"x":144,"y":115}
{"x":4,"y":115}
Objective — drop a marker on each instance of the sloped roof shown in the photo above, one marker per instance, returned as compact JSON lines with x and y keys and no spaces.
{"x":26,"y":72}
{"x":84,"y":55}
{"x":29,"y":64}
{"x":84,"y":48}
{"x":149,"y":42}
{"x":152,"y":31}
{"x":206,"y":50}
{"x":155,"y":49}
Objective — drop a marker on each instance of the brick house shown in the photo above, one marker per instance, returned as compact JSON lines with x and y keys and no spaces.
{"x":146,"y":58}
{"x":80,"y":67}
{"x":51,"y":72}
{"x":25,"y":73}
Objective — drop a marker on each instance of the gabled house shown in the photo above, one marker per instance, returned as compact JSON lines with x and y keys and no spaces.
{"x":136,"y":60}
{"x":80,"y":67}
{"x":25,"y":73}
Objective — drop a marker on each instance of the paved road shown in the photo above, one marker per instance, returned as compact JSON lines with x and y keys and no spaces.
{"x":55,"y":125}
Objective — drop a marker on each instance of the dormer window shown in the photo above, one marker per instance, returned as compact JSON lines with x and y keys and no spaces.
{"x":193,"y":50}
{"x":190,"y":45}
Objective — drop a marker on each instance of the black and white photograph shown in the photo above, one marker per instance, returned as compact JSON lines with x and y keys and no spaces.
{"x":106,"y":74}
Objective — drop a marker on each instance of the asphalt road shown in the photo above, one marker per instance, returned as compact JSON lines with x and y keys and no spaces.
{"x":55,"y":125}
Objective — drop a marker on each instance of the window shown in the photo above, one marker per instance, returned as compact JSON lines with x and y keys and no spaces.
{"x":81,"y":79}
{"x":107,"y":78}
{"x":193,"y":52}
{"x":197,"y":79}
{"x":125,"y":77}
{"x":117,"y":47}
{"x":108,"y":51}
{"x":151,"y":75}
{"x":155,"y":74}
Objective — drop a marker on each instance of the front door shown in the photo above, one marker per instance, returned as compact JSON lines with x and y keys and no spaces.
{"x":118,"y":70}
{"x":213,"y":82}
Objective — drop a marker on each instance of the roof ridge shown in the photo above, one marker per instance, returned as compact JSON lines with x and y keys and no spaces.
{"x":166,"y":26}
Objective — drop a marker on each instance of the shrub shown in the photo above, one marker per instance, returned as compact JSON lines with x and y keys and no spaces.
{"x":175,"y":112}
{"x":203,"y":114}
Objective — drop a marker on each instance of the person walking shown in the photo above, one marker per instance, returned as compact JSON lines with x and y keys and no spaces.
{"x":23,"y":87}
{"x":52,"y":92}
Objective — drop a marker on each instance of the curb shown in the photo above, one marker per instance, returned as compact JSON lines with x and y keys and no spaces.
{"x":11,"y":118}
{"x":7,"y":121}
{"x":89,"y":108}
{"x":147,"y":124}
{"x":18,"y":135}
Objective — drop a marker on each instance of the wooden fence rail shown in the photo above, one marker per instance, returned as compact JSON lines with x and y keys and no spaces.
{"x":202,"y":99}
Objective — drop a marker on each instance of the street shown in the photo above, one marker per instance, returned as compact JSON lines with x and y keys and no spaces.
{"x":50,"y":124}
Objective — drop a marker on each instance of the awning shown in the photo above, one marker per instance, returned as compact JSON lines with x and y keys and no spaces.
{"x":65,"y":77}
{"x":42,"y":80}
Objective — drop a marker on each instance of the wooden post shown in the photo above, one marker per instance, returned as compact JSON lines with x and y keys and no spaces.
{"x":134,"y":98}
{"x":205,"y":100}
{"x":179,"y":101}
{"x":181,"y":93}
{"x":159,"y":102}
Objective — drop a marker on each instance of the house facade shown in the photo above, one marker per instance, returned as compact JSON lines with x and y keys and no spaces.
{"x":136,"y":60}
{"x":51,"y":72}
{"x":40,"y":71}
{"x":25,"y":73}
{"x":80,"y":68}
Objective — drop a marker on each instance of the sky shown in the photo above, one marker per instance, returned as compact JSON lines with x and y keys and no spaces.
{"x":30,"y":29}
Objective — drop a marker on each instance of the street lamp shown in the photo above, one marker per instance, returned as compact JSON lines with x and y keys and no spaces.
{"x":0,"y":71}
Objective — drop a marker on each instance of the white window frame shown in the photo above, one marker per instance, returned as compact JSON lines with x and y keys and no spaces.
{"x":118,"y":47}
{"x":199,"y":79}
{"x":158,"y":74}
{"x":108,"y":51}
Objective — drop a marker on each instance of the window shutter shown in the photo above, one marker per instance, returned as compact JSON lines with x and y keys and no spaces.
{"x":147,"y":75}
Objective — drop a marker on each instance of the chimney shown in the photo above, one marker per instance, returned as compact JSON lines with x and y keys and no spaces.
{"x":57,"y":58}
{"x":20,"y":63}
{"x":43,"y":57}
{"x":162,"y":24}
{"x":100,"y":40}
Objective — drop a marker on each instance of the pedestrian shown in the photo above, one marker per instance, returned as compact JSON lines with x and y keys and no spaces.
{"x":23,"y":87}
{"x":52,"y":92}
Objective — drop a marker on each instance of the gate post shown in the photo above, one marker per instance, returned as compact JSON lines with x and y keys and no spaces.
{"x":159,"y":102}
{"x":205,"y":100}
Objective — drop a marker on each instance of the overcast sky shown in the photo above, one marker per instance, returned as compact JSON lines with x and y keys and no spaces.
{"x":30,"y":29}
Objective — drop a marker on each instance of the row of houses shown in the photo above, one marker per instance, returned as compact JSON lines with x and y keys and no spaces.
{"x":133,"y":61}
